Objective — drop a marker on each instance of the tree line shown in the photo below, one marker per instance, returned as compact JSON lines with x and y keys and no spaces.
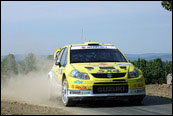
{"x":9,"y":65}
{"x":154,"y":71}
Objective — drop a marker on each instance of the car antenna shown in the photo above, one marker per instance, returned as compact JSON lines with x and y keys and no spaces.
{"x":85,"y":39}
{"x":82,"y":35}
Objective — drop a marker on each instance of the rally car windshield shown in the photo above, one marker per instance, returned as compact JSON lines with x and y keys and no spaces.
{"x":96,"y":55}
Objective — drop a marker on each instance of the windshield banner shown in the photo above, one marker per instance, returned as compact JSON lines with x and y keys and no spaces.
{"x":93,"y":47}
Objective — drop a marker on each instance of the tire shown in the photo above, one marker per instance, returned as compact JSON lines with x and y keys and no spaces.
{"x":66,"y":101}
{"x":136,"y":100}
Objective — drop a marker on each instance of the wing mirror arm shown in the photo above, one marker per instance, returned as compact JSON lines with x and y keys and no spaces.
{"x":58,"y":63}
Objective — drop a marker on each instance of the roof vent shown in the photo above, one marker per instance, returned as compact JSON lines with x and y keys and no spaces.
{"x":92,"y":43}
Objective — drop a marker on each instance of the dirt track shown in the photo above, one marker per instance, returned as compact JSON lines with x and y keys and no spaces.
{"x":12,"y":107}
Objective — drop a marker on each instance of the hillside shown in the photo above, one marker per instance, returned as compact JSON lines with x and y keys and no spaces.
{"x":150,"y":56}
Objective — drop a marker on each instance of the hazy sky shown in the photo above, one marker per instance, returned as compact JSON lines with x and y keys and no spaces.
{"x":41,"y":27}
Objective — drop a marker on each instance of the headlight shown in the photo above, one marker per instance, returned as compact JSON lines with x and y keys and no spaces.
{"x":79,"y":75}
{"x":134,"y":73}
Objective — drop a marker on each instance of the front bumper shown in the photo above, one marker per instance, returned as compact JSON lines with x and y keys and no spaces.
{"x":81,"y":89}
{"x":89,"y":93}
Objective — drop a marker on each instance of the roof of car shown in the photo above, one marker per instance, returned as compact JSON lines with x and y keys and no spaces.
{"x":92,"y":44}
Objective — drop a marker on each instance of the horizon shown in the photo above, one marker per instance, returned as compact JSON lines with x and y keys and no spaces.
{"x":123,"y":53}
{"x":131,"y":57}
{"x":39,"y":27}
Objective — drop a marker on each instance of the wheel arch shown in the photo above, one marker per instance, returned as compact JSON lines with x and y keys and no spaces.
{"x":63,"y":77}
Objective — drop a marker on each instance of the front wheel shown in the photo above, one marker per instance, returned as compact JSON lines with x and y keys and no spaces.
{"x":50,"y":94}
{"x":67,"y":101}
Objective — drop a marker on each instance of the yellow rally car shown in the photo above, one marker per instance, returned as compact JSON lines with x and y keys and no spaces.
{"x":96,"y":71}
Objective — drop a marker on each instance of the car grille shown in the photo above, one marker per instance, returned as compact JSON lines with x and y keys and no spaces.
{"x":108,"y":75}
{"x":121,"y":80}
{"x":102,"y":89}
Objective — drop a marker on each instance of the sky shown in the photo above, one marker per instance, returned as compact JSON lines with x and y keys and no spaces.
{"x":40,"y":27}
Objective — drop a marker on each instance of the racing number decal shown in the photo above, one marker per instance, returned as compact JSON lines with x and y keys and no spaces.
{"x":109,"y":71}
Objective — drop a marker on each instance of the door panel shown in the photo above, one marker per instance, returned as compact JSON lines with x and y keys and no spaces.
{"x":63,"y":62}
{"x":56,"y":68}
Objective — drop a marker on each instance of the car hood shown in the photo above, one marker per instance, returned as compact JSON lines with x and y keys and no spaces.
{"x":103,"y":67}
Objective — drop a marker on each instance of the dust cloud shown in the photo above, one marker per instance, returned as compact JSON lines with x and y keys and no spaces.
{"x":32,"y":87}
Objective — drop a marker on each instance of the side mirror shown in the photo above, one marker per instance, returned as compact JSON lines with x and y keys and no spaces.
{"x":57,"y":63}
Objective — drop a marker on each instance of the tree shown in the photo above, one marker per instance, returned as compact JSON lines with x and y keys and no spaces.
{"x":9,"y":65}
{"x":142,"y":64}
{"x":158,"y":73}
{"x":21,"y":67}
{"x":167,"y":5}
{"x":29,"y":63}
{"x":50,"y":57}
{"x":167,"y":68}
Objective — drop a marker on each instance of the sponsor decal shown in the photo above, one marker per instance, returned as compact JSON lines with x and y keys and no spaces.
{"x":75,"y":92}
{"x":78,"y":82}
{"x":72,"y":86}
{"x":80,"y":87}
{"x":102,"y":64}
{"x":109,"y":71}
{"x":83,"y":47}
{"x":138,"y":90}
{"x":112,"y":89}
{"x":80,"y":92}
{"x":85,"y":92}
{"x":101,"y":71}
{"x":93,"y":47}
